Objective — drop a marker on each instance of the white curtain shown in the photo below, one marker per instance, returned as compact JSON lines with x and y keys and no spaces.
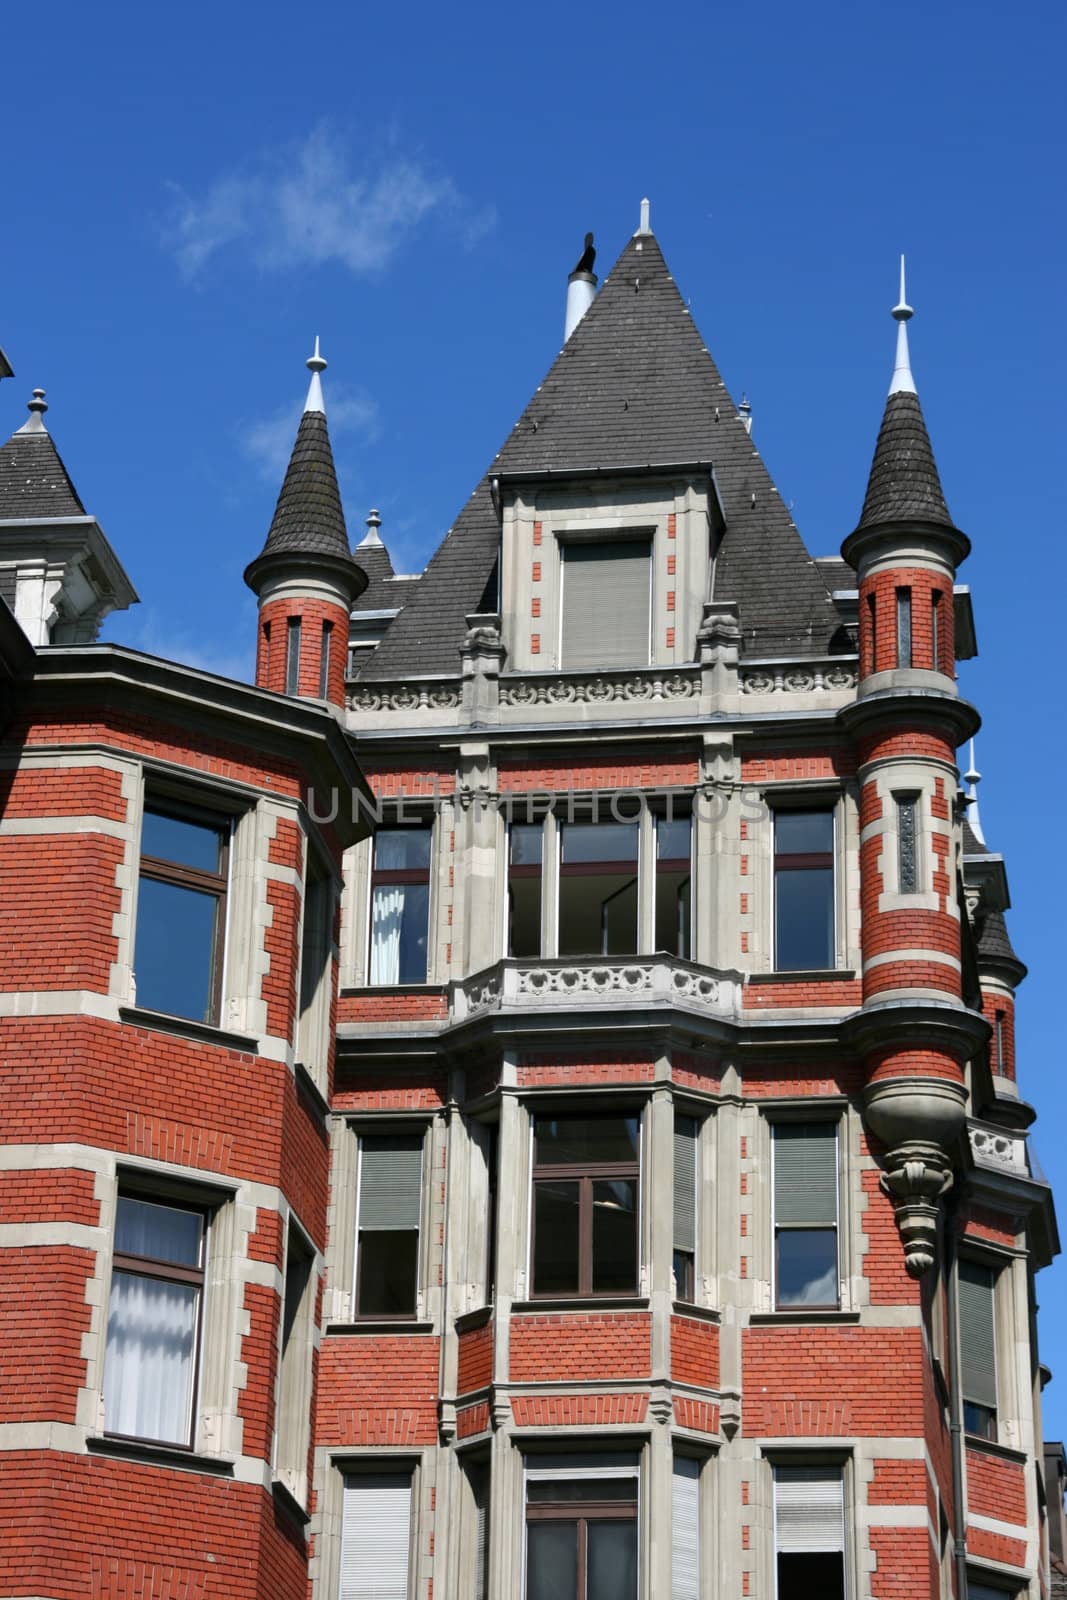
{"x":386,"y":918}
{"x":151,"y":1346}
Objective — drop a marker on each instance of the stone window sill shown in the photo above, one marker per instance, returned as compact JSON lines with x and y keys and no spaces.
{"x":992,"y":1447}
{"x":474,"y":1319}
{"x":311,"y":1089}
{"x":186,"y":1028}
{"x":686,"y":1308}
{"x":607,"y":1302}
{"x":795,"y":975}
{"x":373,"y":1325}
{"x":770,"y":1319}
{"x":163,"y":1455}
{"x":285,"y":1496}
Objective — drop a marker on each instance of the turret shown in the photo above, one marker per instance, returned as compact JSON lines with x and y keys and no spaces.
{"x":305,"y":577}
{"x":907,"y":722}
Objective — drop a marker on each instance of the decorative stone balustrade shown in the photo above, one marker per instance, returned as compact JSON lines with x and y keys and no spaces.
{"x":1000,"y":1149}
{"x":611,"y":980}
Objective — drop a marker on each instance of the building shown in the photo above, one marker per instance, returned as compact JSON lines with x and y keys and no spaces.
{"x":527,"y":1107}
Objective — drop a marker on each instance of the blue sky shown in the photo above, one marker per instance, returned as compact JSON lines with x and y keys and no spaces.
{"x":191,"y":194}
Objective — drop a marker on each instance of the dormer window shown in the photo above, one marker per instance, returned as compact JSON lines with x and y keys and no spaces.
{"x":606,"y":605}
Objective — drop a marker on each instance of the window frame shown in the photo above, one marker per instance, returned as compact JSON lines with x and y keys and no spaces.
{"x":580,"y":1512}
{"x":586,"y":1174}
{"x":990,"y":1434}
{"x":318,"y":907}
{"x":685,"y":1289}
{"x":166,"y":1272}
{"x":665,"y":865}
{"x":159,"y":869}
{"x":794,"y":1307}
{"x":909,"y":801}
{"x":813,"y":1460}
{"x":381,"y":877}
{"x":795,"y":804}
{"x":905,"y":628}
{"x":351,"y":1469}
{"x":569,"y":539}
{"x":418,"y":1134}
{"x":293,"y":651}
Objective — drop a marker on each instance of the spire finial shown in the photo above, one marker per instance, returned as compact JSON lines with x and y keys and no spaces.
{"x":315,"y":364}
{"x":902,"y":381}
{"x":973,"y":778}
{"x":374,"y":522}
{"x":646,"y":216}
{"x":36,"y":407}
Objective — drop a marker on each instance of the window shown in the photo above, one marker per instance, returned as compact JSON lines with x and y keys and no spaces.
{"x":585,"y":1204}
{"x":935,"y":630}
{"x":376,"y":1536}
{"x":154,"y":1319}
{"x":686,"y":1131}
{"x":387,"y":1224}
{"x":294,"y":1395}
{"x":998,"y":1044}
{"x":598,"y":888}
{"x":606,"y":604}
{"x":581,"y":1527}
{"x":809,"y":1533}
{"x":400,"y":905}
{"x":903,"y":627}
{"x":673,"y":914}
{"x":525,"y":853}
{"x":316,"y":963}
{"x":181,"y":911}
{"x":977,"y":1590}
{"x":978,"y":1348}
{"x":324,"y":661}
{"x":907,"y":843}
{"x":478,"y":1479}
{"x":805,"y":1214}
{"x":872,"y":611}
{"x":685,"y":1529}
{"x":292,"y":657}
{"x":803,"y":890}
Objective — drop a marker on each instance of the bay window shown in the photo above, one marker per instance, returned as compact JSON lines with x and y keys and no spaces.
{"x":181,"y":910}
{"x":154,"y":1321}
{"x":803,"y":890}
{"x":581,"y":1527}
{"x":598,"y":888}
{"x":673,"y":915}
{"x":805,"y":1214}
{"x":400,"y":905}
{"x":585,"y":1188}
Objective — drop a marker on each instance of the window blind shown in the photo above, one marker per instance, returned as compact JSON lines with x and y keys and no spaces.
{"x":606,"y":600}
{"x":390,"y":1182}
{"x":480,"y":1486}
{"x":375,"y":1537}
{"x":809,"y":1512}
{"x":978,"y":1352}
{"x":805,"y":1174}
{"x":685,"y":1529}
{"x":685,"y":1178}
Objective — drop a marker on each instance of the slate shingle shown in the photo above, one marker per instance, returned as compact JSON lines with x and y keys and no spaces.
{"x":308,"y":517}
{"x":33,"y":480}
{"x":633,"y":386}
{"x":904,"y":485}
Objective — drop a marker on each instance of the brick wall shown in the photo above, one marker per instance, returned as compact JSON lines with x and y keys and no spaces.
{"x":555,"y":1347}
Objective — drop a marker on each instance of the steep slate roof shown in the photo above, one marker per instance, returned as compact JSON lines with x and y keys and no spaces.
{"x":308,"y":518}
{"x":904,"y":485}
{"x":34,"y":483}
{"x":633,"y":386}
{"x":994,"y":942}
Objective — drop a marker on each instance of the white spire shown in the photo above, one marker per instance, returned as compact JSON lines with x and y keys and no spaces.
{"x":372,"y":536}
{"x":973,"y":778}
{"x":902,"y":381}
{"x":315,"y":365}
{"x":36,"y":407}
{"x":646,"y":217}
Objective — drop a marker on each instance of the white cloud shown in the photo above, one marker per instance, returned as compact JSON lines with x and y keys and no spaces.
{"x":269,"y":442}
{"x":309,"y":204}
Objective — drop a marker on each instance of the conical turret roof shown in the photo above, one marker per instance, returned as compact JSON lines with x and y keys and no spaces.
{"x":34,"y":483}
{"x":633,"y":387}
{"x":904,"y":485}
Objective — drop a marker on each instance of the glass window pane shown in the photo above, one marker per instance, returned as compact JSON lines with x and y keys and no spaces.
{"x":599,"y":841}
{"x":673,"y":839}
{"x":672,"y":912}
{"x":164,"y":1233}
{"x":807,"y":1267}
{"x":400,"y":917}
{"x":527,"y":841}
{"x":614,"y":1236}
{"x":804,"y":919}
{"x":598,"y":914}
{"x":584,"y":1140}
{"x":819,"y":1572}
{"x":803,"y":832}
{"x":148,"y":1371}
{"x":552,"y":1561}
{"x":174,"y":949}
{"x":568,"y":1491}
{"x":524,"y":917}
{"x":402,"y":849}
{"x":555,"y":1269}
{"x":192,"y":844}
{"x":612,"y":1560}
{"x":388,"y":1268}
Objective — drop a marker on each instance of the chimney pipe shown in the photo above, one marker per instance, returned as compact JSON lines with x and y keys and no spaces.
{"x":581,"y":287}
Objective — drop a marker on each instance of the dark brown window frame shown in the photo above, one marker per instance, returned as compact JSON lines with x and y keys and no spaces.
{"x":161,"y":870}
{"x":586,"y":1174}
{"x":169,"y":1272}
{"x":580,"y":1513}
{"x":795,"y":861}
